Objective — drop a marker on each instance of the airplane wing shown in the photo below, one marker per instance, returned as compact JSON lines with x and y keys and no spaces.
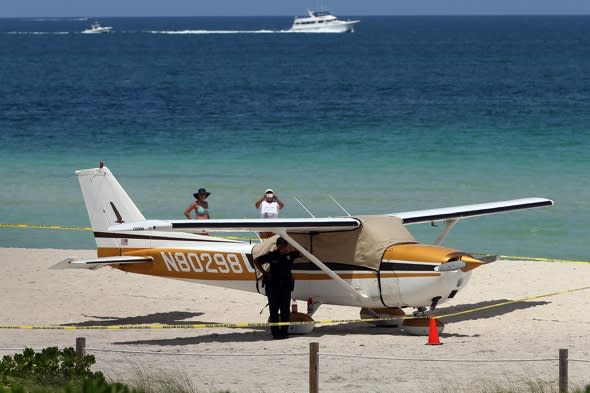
{"x":243,"y":225}
{"x":304,"y":225}
{"x":95,"y":263}
{"x":466,"y":211}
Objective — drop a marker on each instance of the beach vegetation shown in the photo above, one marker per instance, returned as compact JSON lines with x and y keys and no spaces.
{"x":60,"y":371}
{"x":511,"y":386}
{"x":51,"y":366}
{"x":54,"y":371}
{"x":161,"y":382}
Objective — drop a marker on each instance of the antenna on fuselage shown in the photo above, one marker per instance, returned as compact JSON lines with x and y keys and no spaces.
{"x":339,"y":205}
{"x":303,"y":206}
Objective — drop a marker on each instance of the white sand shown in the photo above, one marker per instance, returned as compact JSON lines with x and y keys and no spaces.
{"x":31,"y":294}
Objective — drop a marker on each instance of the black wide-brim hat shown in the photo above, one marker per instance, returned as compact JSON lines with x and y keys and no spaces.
{"x":199,"y":191}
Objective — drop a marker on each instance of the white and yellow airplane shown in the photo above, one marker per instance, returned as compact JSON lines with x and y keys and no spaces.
{"x":372,"y":262}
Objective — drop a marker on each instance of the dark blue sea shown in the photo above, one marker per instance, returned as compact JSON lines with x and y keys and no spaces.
{"x":405,"y":113}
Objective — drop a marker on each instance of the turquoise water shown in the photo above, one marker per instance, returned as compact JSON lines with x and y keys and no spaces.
{"x":406,"y":113}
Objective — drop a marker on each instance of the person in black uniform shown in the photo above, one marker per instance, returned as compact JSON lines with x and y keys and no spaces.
{"x":278,"y":283}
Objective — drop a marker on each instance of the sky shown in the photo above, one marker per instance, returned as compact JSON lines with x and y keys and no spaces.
{"x":95,"y":8}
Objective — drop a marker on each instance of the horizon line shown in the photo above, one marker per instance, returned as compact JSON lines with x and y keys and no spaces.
{"x":290,"y":15}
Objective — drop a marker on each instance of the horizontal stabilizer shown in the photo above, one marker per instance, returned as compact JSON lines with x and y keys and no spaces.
{"x":95,"y":263}
{"x":237,"y":225}
{"x":466,"y":211}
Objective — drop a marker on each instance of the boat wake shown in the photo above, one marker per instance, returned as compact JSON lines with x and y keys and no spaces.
{"x":38,"y":32}
{"x":218,"y":31}
{"x":171,"y":32}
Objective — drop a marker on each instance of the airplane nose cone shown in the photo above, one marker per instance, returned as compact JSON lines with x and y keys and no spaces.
{"x":470,"y":262}
{"x":463,"y":262}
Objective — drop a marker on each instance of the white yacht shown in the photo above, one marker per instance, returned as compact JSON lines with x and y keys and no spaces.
{"x":322,"y":22}
{"x":96,"y":28}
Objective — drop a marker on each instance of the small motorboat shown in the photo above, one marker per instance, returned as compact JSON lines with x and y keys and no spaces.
{"x":96,"y":28}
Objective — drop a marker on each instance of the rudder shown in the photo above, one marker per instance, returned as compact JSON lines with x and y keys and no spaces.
{"x":106,"y":201}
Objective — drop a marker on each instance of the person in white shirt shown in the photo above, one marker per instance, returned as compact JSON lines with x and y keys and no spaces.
{"x":268,"y":206}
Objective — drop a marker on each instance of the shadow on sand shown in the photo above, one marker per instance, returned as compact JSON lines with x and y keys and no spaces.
{"x":164,"y":318}
{"x":464,"y":312}
{"x":484,"y":310}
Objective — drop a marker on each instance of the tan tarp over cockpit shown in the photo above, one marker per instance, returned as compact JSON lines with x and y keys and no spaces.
{"x":364,"y":246}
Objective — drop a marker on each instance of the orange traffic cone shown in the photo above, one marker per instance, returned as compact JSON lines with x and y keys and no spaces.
{"x":433,"y":333}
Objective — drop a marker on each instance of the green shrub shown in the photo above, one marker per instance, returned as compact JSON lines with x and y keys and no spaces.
{"x":48,"y":367}
{"x":55,"y":371}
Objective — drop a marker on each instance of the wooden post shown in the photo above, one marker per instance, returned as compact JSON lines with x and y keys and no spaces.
{"x":314,"y":367}
{"x":563,"y":371}
{"x":80,"y":350}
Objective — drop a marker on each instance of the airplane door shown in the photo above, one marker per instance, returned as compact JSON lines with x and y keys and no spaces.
{"x":389,"y":289}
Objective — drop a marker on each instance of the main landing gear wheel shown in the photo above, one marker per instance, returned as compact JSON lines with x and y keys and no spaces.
{"x":300,"y":328}
{"x":421,"y":326}
{"x":395,"y":316}
{"x":303,"y":328}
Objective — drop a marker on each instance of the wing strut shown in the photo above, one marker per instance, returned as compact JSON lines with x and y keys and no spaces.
{"x":356,"y":294}
{"x":449,"y":224}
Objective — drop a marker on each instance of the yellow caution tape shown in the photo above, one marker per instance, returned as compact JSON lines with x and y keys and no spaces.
{"x":542,"y":259}
{"x":268,"y":324}
{"x":159,"y":326}
{"x":524,"y":299}
{"x":191,"y":326}
{"x":521,"y":258}
{"x":35,"y":226}
{"x":77,"y":228}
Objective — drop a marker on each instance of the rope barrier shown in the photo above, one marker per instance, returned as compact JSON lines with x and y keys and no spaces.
{"x":197,"y":353}
{"x":342,"y":355}
{"x":240,"y":325}
{"x":439,"y":360}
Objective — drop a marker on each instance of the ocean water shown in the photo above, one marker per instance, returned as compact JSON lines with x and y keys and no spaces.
{"x":405,"y":113}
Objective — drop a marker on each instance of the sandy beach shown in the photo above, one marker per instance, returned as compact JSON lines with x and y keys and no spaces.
{"x":247,"y":360}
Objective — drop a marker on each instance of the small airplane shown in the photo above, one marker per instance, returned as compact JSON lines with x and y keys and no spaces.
{"x":372,"y":261}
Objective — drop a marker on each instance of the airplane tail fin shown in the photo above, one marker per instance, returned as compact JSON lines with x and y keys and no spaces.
{"x":107,"y":203}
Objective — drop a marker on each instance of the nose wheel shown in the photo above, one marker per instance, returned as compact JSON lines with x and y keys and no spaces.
{"x":419,"y":325}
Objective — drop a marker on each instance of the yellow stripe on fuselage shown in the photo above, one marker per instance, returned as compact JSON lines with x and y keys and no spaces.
{"x":190,"y":264}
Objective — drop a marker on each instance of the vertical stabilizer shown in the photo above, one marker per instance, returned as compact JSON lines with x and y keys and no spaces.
{"x":106,"y":201}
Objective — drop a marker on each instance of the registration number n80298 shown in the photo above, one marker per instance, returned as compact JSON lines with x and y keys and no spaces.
{"x":205,"y":262}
